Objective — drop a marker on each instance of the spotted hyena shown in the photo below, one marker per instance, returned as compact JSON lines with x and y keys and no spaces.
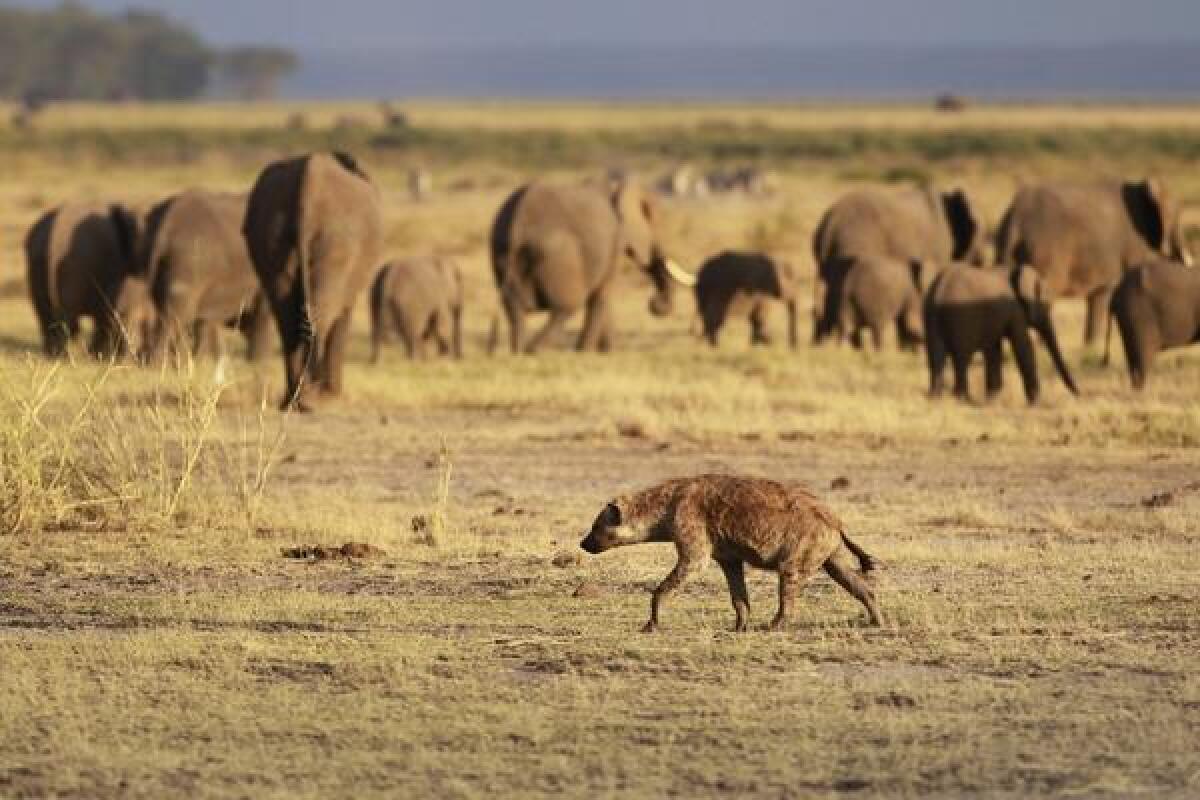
{"x":738,"y":521}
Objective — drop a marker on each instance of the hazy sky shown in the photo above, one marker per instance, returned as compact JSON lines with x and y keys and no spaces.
{"x":341,"y":24}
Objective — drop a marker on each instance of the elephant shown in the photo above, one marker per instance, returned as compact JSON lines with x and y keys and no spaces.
{"x":737,"y":282}
{"x":970,"y":309}
{"x":879,"y":292}
{"x":200,"y":274}
{"x":907,"y":224}
{"x":1082,"y":236}
{"x":422,"y":298}
{"x":558,"y":248}
{"x":78,"y":256}
{"x":314,"y":229}
{"x":1157,"y":306}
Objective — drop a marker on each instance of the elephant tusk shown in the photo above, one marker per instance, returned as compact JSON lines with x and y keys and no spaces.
{"x":680,"y":274}
{"x":1188,"y":261}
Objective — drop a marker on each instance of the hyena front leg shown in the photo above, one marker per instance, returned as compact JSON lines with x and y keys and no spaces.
{"x":735,"y":575}
{"x":692,"y":555}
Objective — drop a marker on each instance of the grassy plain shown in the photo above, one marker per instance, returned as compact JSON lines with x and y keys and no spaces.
{"x":1043,"y":637}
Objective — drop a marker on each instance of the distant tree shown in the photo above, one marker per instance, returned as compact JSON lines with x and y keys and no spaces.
{"x":162,"y":60}
{"x":254,"y":73}
{"x":71,"y":53}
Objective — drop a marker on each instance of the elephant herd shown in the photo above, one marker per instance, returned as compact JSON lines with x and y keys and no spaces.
{"x":306,"y":242}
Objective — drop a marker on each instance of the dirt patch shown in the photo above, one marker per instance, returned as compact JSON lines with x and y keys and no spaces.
{"x":1164,"y":499}
{"x":316,"y":552}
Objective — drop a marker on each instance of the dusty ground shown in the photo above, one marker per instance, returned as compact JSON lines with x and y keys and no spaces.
{"x":1040,"y":568}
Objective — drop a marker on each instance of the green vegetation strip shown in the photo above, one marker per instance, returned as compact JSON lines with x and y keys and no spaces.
{"x":551,"y":148}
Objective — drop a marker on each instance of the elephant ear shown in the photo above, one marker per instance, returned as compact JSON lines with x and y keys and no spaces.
{"x":1145,"y":203}
{"x":350,"y":163}
{"x":964,"y":224}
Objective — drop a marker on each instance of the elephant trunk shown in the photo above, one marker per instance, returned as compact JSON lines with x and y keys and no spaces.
{"x":664,"y":274}
{"x":1046,"y":331}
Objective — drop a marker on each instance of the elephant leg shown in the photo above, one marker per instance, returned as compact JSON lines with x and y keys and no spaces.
{"x":935,"y":353}
{"x":56,"y":333}
{"x":443,"y":331}
{"x":333,"y":359}
{"x":604,"y":342}
{"x":712,"y":316}
{"x":595,"y":319}
{"x":758,"y":326}
{"x":1097,"y":314}
{"x":961,"y":362}
{"x":1023,"y":354}
{"x":993,"y":362}
{"x":876,"y":336}
{"x":516,"y":324}
{"x":414,"y":333}
{"x":260,"y":331}
{"x":207,"y":341}
{"x":558,"y":320}
{"x":456,"y":322}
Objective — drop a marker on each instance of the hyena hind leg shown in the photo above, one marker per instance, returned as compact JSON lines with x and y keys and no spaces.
{"x":841,"y":567}
{"x":735,"y":575}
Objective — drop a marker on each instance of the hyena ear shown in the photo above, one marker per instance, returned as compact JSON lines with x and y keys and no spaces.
{"x":612,"y":515}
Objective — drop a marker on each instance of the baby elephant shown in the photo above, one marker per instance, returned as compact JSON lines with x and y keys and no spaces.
{"x":1157,"y":306}
{"x":742,"y":283}
{"x":974,"y":309}
{"x":738,"y":521}
{"x":422,"y":298}
{"x":880,"y":292}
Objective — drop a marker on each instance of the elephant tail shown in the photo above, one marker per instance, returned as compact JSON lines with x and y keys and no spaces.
{"x":493,"y":340}
{"x":306,"y":324}
{"x":866,"y":562}
{"x":1122,"y":307}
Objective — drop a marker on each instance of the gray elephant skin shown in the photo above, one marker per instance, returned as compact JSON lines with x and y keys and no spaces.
{"x":742,"y":284}
{"x":421,"y":298}
{"x":314,"y":229}
{"x":880,"y":293}
{"x":1157,"y":306}
{"x":78,"y":257}
{"x":558,"y":248}
{"x":971,"y":310}
{"x":911,"y":225}
{"x":1082,"y":236}
{"x":200,"y":274}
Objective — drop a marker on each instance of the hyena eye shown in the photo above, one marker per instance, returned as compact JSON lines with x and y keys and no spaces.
{"x":612,"y":515}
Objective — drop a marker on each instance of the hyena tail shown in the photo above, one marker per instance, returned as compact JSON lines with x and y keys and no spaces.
{"x":867,"y":563}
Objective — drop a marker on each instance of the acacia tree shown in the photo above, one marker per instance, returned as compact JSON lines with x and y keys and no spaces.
{"x":254,"y":73}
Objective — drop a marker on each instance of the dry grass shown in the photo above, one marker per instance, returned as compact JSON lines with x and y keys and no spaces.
{"x":154,"y":642}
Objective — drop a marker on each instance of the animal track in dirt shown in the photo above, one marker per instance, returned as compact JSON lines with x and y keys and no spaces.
{"x":316,"y":552}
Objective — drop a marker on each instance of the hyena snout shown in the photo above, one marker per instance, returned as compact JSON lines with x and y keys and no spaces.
{"x":590,"y":544}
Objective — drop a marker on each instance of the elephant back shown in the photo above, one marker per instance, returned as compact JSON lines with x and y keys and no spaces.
{"x":733,"y":271}
{"x":85,"y":261}
{"x":901,"y":224}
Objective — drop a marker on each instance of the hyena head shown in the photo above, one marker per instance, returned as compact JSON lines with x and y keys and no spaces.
{"x":611,"y":529}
